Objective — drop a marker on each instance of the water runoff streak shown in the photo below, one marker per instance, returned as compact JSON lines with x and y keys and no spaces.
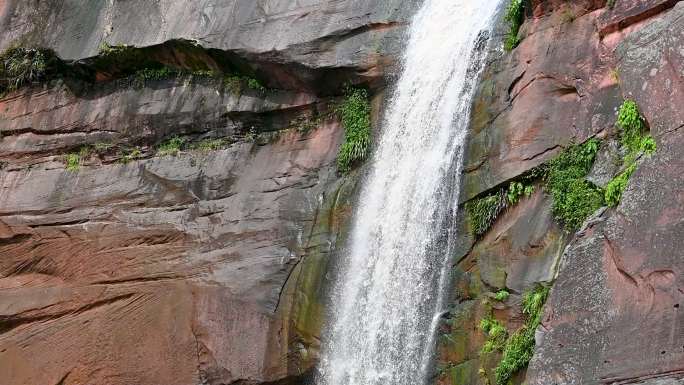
{"x":388,"y":296}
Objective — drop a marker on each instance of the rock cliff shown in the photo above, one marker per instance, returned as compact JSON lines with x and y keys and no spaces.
{"x":613,"y":314}
{"x":176,"y":226}
{"x":176,"y":229}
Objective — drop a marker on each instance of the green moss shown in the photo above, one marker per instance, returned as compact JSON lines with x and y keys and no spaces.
{"x":515,"y":15}
{"x":616,"y":187}
{"x":354,"y":112}
{"x":171,"y":146}
{"x":482,"y":212}
{"x":574,"y":198}
{"x":519,"y":347}
{"x":502,"y":295}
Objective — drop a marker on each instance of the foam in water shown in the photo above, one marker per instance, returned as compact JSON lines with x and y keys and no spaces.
{"x":387,"y":300}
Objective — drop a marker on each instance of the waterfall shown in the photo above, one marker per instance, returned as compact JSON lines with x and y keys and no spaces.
{"x":388,"y":297}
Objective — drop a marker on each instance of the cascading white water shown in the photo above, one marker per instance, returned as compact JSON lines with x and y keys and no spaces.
{"x":387,"y":299}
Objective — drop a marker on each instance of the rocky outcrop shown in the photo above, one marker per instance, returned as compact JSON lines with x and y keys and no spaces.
{"x":203,"y":266}
{"x":613,"y":315}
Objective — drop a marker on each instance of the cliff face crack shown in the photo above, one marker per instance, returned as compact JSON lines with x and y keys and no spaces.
{"x":617,"y":262}
{"x":543,"y":153}
{"x":637,"y":17}
{"x":9,"y":323}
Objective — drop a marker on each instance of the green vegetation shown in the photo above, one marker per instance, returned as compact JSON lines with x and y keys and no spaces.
{"x":354,"y":112}
{"x":517,"y":190}
{"x":171,"y":146}
{"x":515,"y":15}
{"x":519,"y":347}
{"x":107,"y":49}
{"x":75,"y":159}
{"x":22,"y":66}
{"x":617,"y":186}
{"x":502,"y":295}
{"x":73,"y":162}
{"x":636,"y":142}
{"x":482,"y":212}
{"x":207,"y":145}
{"x":574,"y":198}
{"x":236,"y":84}
{"x":127,"y":156}
{"x":611,"y":4}
{"x":496,"y":334}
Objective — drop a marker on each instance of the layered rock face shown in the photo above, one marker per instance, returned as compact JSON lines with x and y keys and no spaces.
{"x":204,"y":266}
{"x":613,"y":315}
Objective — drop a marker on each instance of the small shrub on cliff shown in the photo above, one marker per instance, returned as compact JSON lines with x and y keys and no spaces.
{"x":502,"y":295}
{"x":574,"y":198}
{"x":354,"y":112}
{"x":73,"y":162}
{"x":515,"y":15}
{"x":75,"y":159}
{"x":496,"y":334}
{"x":519,"y":347}
{"x":482,"y":212}
{"x":22,"y":66}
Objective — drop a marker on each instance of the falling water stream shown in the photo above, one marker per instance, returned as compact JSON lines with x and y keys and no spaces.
{"x":388,"y":297}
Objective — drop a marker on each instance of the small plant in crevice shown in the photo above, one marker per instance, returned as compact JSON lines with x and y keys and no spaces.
{"x":73,"y":162}
{"x":171,"y":146}
{"x":636,"y":142}
{"x":574,"y":198}
{"x":615,"y":188}
{"x":208,"y":145}
{"x":611,"y":4}
{"x":106,"y":49}
{"x":502,"y":295}
{"x":519,"y":347}
{"x":517,"y":190}
{"x":496,"y":334}
{"x":482,"y":212}
{"x":515,"y":15}
{"x":354,"y":112}
{"x":128,"y":155}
